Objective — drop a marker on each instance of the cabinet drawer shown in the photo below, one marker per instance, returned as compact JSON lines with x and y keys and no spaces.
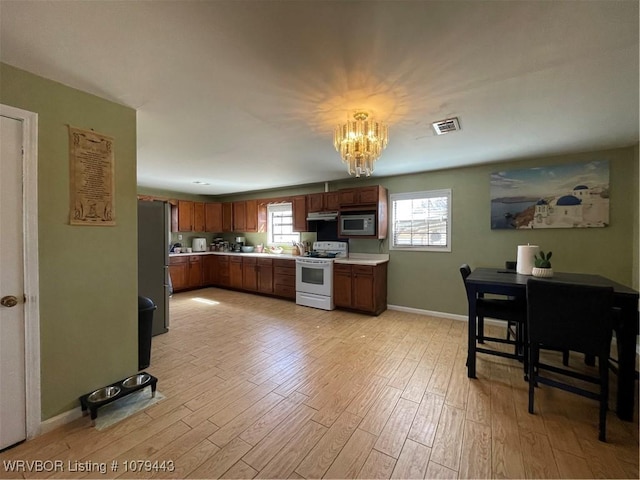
{"x":362,"y":269}
{"x":195,"y":259}
{"x":341,"y":267}
{"x":284,"y":291}
{"x":265,"y":262}
{"x":249,"y":260}
{"x":284,"y":271}
{"x":284,"y":263}
{"x":235,"y":259}
{"x":288,"y":280}
{"x":178,"y":260}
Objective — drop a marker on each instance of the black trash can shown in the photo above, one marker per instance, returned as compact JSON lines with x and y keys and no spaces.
{"x":145,"y":322}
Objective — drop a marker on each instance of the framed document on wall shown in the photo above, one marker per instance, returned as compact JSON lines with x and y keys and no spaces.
{"x":91,"y":178}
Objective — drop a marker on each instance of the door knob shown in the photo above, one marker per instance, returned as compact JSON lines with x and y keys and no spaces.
{"x":9,"y":301}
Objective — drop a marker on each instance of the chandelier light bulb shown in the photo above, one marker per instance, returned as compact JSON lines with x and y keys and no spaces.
{"x":360,"y":142}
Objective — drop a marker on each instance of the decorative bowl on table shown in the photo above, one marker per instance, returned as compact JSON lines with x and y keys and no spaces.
{"x":276,"y":250}
{"x":247,"y":248}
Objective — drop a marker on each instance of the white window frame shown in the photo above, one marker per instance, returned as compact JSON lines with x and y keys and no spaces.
{"x":416,"y":196}
{"x":279,"y":207}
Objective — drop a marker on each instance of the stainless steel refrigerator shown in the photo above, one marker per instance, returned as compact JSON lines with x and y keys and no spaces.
{"x":153,"y":260}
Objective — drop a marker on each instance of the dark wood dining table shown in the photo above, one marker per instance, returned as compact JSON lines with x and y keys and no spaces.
{"x":506,"y":282}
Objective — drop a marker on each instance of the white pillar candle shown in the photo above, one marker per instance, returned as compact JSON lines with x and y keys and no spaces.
{"x":526,"y":260}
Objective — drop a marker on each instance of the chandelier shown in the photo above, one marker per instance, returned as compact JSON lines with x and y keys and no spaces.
{"x":360,"y":142}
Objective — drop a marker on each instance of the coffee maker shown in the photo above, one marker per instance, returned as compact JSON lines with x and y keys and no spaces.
{"x":240,"y":241}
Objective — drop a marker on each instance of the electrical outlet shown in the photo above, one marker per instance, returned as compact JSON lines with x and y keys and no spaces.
{"x":179,"y":237}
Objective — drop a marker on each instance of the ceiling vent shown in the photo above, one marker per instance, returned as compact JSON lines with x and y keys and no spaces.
{"x":446,"y":126}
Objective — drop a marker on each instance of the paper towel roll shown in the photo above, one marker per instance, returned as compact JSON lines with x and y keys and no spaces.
{"x":525,"y":260}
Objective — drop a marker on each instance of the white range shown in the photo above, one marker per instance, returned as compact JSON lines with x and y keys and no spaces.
{"x":314,"y":274}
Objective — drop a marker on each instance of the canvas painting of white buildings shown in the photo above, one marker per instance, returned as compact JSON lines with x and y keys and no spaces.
{"x":561,"y":196}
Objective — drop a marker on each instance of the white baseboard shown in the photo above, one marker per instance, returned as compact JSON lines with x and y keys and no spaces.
{"x":59,"y":420}
{"x":464,"y":318}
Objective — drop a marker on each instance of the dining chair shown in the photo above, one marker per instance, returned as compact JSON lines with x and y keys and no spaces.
{"x":578,"y":318}
{"x":511,"y":310}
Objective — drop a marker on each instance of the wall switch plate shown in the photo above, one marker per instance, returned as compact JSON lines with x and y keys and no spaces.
{"x":179,"y":237}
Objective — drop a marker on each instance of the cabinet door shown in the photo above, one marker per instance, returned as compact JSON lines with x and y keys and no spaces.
{"x":299,"y":207}
{"x":178,"y":274}
{"x":315,"y":202}
{"x":198,"y":217}
{"x":265,"y":275}
{"x":331,"y":201}
{"x":249,"y":274}
{"x":239,"y":216}
{"x":347,"y":197}
{"x":367,"y":195}
{"x":195,"y":271}
{"x":209,"y":270}
{"x":363,"y":291}
{"x":213,"y":217}
{"x":222,"y":275}
{"x":342,"y":285}
{"x":235,"y":272}
{"x":185,"y":216}
{"x":251,"y":211}
{"x":227,"y":217}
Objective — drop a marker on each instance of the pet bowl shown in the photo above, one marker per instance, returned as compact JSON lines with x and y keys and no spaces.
{"x":103,"y":394}
{"x":136,"y":380}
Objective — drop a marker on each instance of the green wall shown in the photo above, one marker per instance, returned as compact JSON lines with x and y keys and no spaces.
{"x":431,"y":281}
{"x":88,"y":275}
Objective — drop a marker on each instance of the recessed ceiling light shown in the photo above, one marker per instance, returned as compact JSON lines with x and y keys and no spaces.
{"x":198,"y":182}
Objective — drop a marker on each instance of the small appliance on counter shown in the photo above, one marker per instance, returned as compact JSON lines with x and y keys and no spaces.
{"x":199,"y":245}
{"x":240,"y":242}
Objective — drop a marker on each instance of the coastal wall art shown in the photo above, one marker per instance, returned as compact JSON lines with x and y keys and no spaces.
{"x":561,"y":196}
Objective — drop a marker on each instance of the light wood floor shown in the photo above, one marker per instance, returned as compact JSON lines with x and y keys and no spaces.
{"x":260,"y":387}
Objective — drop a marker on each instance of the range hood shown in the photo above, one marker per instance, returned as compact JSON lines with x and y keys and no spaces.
{"x":322,"y":216}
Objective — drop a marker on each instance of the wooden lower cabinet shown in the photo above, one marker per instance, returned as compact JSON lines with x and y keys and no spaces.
{"x":265,"y":275}
{"x":284,"y":278}
{"x":249,"y":274}
{"x":360,"y":287}
{"x":179,"y":272}
{"x":235,"y":271}
{"x":186,"y":272}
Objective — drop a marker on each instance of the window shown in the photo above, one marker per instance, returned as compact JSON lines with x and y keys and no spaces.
{"x":280,"y":226}
{"x":421,"y":221}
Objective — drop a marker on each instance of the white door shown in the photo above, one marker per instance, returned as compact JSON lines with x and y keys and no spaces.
{"x":12,"y":315}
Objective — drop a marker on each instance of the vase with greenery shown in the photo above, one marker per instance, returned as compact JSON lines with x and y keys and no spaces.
{"x":542,"y":265}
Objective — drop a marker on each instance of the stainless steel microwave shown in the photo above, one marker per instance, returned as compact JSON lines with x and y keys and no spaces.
{"x":357,"y":224}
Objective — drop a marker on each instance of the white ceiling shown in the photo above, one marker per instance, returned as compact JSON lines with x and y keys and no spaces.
{"x":245,"y":95}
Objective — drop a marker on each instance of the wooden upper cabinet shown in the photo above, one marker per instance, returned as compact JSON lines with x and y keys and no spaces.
{"x":331,"y":201}
{"x":198,"y":217}
{"x":323,"y":202}
{"x":315,"y":202}
{"x":239,"y":216}
{"x":361,"y":196}
{"x":185,"y":216}
{"x":251,"y":211}
{"x":227,"y":217}
{"x":213,"y":217}
{"x":299,"y":207}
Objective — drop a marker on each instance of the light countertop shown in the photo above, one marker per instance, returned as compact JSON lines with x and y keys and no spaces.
{"x":354,"y":258}
{"x":364,"y":259}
